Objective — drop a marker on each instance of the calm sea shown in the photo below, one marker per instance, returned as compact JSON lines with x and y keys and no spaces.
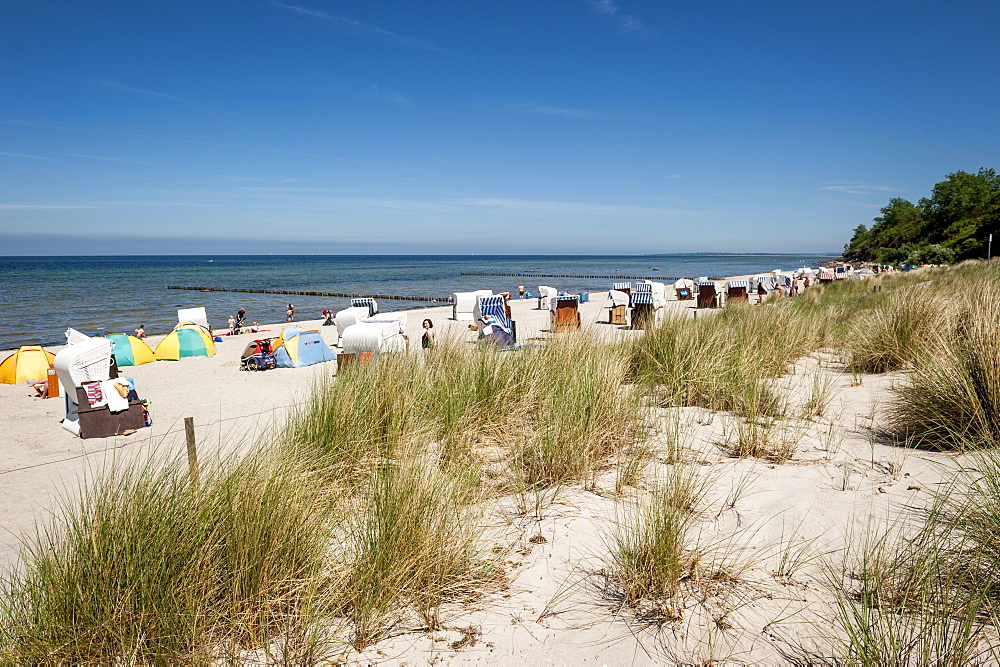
{"x":41,"y":296}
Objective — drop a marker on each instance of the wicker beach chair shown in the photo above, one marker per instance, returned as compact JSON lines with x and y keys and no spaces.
{"x":566,"y":314}
{"x":643,"y":307}
{"x":617,"y":312}
{"x":708,"y":296}
{"x":493,"y":321}
{"x":736,"y":290}
{"x":366,"y":302}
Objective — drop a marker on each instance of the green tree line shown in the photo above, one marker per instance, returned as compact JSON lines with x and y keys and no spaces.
{"x":953,"y":224}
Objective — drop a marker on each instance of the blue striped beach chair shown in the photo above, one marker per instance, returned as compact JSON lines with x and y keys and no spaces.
{"x":365,"y":302}
{"x":736,"y":290}
{"x":623,"y":287}
{"x":708,"y":297}
{"x":643,"y":308}
{"x":492,"y":320}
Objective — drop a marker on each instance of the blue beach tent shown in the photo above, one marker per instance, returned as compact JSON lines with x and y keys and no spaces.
{"x":296,"y":348}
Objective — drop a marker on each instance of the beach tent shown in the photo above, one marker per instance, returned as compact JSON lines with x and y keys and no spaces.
{"x":28,"y":363}
{"x":186,"y":340}
{"x":130,"y":351}
{"x":296,"y":347}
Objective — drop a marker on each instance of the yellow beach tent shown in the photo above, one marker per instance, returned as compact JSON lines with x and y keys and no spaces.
{"x":28,"y":363}
{"x":186,"y":340}
{"x":130,"y":351}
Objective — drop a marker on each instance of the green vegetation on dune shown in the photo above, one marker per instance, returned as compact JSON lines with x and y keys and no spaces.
{"x":953,"y":224}
{"x":368,"y":507}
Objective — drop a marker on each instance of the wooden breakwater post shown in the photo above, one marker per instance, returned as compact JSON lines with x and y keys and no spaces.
{"x":386,"y":297}
{"x":192,"y":451}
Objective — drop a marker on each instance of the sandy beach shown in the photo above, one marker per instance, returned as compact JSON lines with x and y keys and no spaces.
{"x":778,"y":520}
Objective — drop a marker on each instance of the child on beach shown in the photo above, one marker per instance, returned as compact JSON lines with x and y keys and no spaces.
{"x":290,"y":312}
{"x":141,"y":331}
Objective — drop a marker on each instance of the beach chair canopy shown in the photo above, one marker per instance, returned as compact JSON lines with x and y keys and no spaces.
{"x":194,"y":315}
{"x":365,"y":302}
{"x":30,"y":362}
{"x":464,"y":304}
{"x":618,"y":298}
{"x":492,"y":321}
{"x":297,"y":347}
{"x":86,"y":361}
{"x":642,"y":298}
{"x":374,"y":336}
{"x":73,"y":336}
{"x":130,"y":351}
{"x":623,"y":286}
{"x":737,"y":283}
{"x":188,"y":339}
{"x":349,"y":316}
{"x":684,"y":282}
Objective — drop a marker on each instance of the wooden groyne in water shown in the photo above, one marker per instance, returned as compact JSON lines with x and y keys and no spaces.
{"x":386,"y":297}
{"x":616,"y":276}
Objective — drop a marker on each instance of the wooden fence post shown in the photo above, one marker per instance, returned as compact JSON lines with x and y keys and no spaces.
{"x":192,"y":451}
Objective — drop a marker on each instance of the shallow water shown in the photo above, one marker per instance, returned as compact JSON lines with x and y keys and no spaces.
{"x":41,"y":296}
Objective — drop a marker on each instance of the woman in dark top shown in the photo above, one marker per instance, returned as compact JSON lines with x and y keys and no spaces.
{"x":427,"y":340}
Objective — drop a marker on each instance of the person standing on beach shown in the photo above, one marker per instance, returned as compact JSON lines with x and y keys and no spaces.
{"x":240,"y":317}
{"x":232,"y":326}
{"x":521,"y":290}
{"x":290,"y":312}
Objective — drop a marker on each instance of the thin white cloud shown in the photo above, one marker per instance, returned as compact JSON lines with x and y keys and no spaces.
{"x":859,"y":189}
{"x":392,"y":98}
{"x":440,"y":158}
{"x":567,"y":208}
{"x":626,"y":22}
{"x":104,"y":157}
{"x":24,"y":155}
{"x":361,"y":26}
{"x":582,"y":114}
{"x":268,"y":150}
{"x":124,"y":87}
{"x":42,"y":207}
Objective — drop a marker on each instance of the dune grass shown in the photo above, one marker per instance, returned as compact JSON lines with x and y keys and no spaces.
{"x":413,"y":544}
{"x":142,"y":568}
{"x":652,"y":553}
{"x":952,"y":398}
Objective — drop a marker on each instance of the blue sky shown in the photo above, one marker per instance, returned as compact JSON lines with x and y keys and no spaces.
{"x":562,"y":126}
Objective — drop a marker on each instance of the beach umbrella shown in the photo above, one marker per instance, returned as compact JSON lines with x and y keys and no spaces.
{"x":130,"y":351}
{"x":28,"y":363}
{"x":186,"y":340}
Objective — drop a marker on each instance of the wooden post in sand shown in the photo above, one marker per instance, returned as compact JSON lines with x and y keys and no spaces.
{"x":192,"y":451}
